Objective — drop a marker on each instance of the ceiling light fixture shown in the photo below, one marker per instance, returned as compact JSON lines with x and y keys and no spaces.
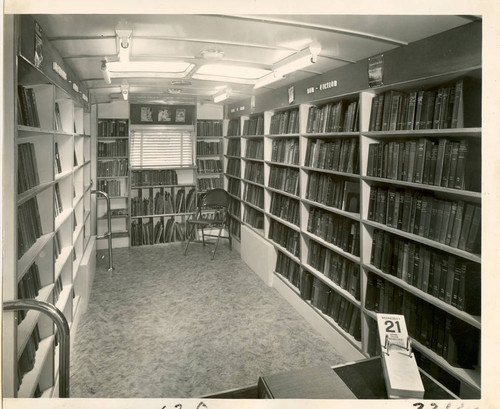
{"x":212,"y":54}
{"x":295,"y":62}
{"x":123,"y":33}
{"x":221,"y":95}
{"x":124,"y":87}
{"x":105,"y":72}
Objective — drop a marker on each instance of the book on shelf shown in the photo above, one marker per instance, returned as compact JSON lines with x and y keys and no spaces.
{"x":454,"y":105}
{"x":444,"y":276}
{"x":112,"y":127}
{"x":29,"y":225}
{"x":27,"y":167}
{"x":209,"y":128}
{"x":424,"y":215}
{"x":253,"y":217}
{"x":27,"y":102}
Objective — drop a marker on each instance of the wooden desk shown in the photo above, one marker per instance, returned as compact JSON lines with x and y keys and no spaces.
{"x":358,"y":380}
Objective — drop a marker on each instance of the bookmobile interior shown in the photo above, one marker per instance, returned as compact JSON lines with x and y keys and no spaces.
{"x":350,"y":151}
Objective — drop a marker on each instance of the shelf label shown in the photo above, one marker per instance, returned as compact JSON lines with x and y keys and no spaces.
{"x":57,"y":68}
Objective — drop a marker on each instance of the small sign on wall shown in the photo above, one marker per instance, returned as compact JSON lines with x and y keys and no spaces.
{"x":154,"y":114}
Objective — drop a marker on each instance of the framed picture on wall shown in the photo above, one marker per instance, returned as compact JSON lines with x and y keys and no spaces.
{"x":180,"y":115}
{"x":164,"y":115}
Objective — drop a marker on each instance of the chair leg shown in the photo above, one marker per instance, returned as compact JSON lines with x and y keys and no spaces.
{"x":217,"y":243}
{"x":189,"y":234}
{"x":203,"y":235}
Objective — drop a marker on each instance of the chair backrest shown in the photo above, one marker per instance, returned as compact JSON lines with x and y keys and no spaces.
{"x":216,"y":197}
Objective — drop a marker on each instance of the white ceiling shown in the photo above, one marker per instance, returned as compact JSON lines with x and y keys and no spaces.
{"x":84,"y":41}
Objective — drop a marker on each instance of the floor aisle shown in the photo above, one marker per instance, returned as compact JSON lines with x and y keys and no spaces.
{"x":168,"y":326}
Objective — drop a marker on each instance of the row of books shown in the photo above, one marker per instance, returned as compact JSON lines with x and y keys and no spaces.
{"x":341,"y":116}
{"x":26,"y":361}
{"x":337,"y":268}
{"x":285,"y":122}
{"x":288,"y":268}
{"x":113,"y":167}
{"x":254,"y":172}
{"x":254,"y":195}
{"x":235,"y":228}
{"x":233,"y":127}
{"x":208,"y":128}
{"x":254,"y":126}
{"x":28,"y":287}
{"x":285,"y":179}
{"x":234,"y":207}
{"x":285,"y":237}
{"x":209,"y":165}
{"x":445,"y":276}
{"x":29,"y":225}
{"x":341,"y":155}
{"x":58,"y":204}
{"x":344,"y":313}
{"x":112,"y":127}
{"x":444,"y":334}
{"x":454,"y":223}
{"x":333,"y":191}
{"x":234,"y":187}
{"x":57,"y":159}
{"x":233,"y":167}
{"x":27,"y":109}
{"x":58,"y":287}
{"x":208,"y":148}
{"x":109,"y":149}
{"x":285,"y":151}
{"x":445,"y":107}
{"x":168,"y":203}
{"x":253,"y":217}
{"x":285,"y":207}
{"x":445,"y":163}
{"x":145,"y":233}
{"x":255,"y":149}
{"x":157,"y":177}
{"x":234,"y":147}
{"x":335,"y":229}
{"x":57,"y":244}
{"x":111,"y":187}
{"x":27,"y":168}
{"x":210,"y":183}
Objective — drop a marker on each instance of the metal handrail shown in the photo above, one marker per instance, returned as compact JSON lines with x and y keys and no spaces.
{"x":108,"y":233}
{"x":62,"y":327}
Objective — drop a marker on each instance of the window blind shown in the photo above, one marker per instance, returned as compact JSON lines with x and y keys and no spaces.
{"x":160,"y":149}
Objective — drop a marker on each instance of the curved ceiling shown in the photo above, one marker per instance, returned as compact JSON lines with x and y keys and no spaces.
{"x":259,"y":41}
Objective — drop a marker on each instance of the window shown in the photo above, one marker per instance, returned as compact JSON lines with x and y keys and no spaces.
{"x":161,"y":148}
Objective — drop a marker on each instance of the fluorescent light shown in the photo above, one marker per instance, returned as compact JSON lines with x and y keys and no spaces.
{"x":221,"y":96}
{"x":151,"y":69}
{"x":268,"y":79}
{"x":295,"y":62}
{"x":105,"y":72}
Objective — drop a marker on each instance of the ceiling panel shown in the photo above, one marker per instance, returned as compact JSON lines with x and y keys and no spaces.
{"x":92,"y":47}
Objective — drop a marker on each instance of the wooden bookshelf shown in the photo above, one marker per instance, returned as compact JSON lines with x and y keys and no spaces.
{"x":48,"y":155}
{"x":331,"y":154}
